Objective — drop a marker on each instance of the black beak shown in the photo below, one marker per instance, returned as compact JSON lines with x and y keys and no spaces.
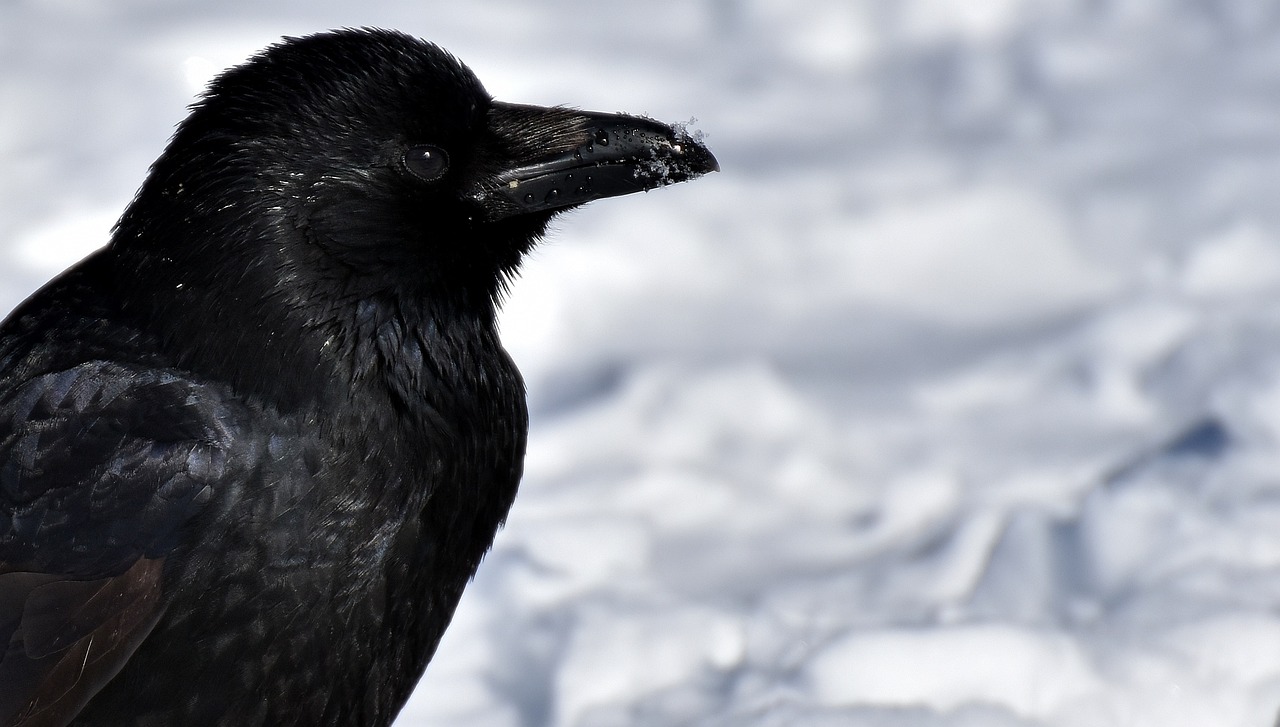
{"x":567,"y":157}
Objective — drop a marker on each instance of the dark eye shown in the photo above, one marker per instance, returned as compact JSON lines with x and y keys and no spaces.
{"x":426,"y":162}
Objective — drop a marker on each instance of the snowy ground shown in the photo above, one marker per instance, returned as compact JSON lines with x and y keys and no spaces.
{"x":953,"y":401}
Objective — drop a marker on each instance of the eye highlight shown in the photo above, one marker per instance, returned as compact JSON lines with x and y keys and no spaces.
{"x":426,"y":162}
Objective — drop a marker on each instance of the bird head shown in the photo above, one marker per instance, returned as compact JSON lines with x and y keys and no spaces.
{"x":375,"y":161}
{"x":339,"y":192}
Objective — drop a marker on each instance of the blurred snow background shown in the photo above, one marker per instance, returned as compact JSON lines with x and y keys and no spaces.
{"x":953,"y":401}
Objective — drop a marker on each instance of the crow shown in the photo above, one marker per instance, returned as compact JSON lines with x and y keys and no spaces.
{"x":252,"y":450}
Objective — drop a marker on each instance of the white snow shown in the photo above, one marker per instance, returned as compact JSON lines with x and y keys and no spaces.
{"x":984,"y":257}
{"x":953,"y":401}
{"x":1035,"y":675}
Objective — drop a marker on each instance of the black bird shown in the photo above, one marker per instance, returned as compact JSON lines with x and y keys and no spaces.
{"x":252,"y":451}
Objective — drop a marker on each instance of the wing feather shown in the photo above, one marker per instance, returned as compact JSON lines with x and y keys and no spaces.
{"x":103,"y":467}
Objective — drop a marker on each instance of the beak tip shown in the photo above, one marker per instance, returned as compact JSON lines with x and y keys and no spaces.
{"x":697,"y":158}
{"x":709,"y":162}
{"x":617,"y":155}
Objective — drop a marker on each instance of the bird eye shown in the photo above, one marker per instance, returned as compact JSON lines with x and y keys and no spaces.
{"x":426,"y":162}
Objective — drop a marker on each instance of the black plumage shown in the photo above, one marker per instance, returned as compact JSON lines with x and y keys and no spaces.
{"x":252,"y":451}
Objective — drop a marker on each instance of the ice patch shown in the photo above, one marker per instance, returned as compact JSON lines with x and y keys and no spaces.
{"x":1244,"y":259}
{"x":663,"y":648}
{"x":987,"y":256}
{"x":1037,"y":674}
{"x":1239,"y":649}
{"x":831,"y":37}
{"x":977,"y":22}
{"x":566,"y":559}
